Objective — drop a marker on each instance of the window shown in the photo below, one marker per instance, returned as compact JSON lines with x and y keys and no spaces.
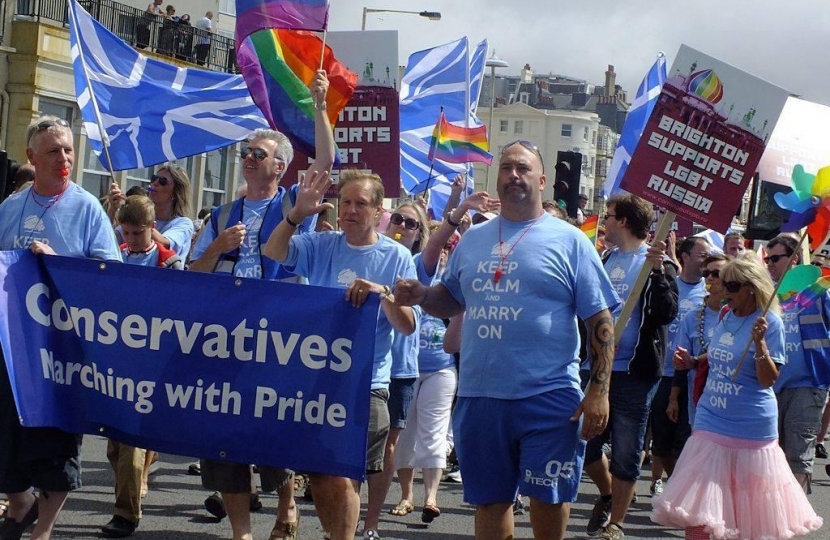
{"x":56,"y":109}
{"x":215,"y":185}
{"x":95,"y":178}
{"x":227,"y":6}
{"x":519,"y":127}
{"x":566,"y":130}
{"x":585,"y":134}
{"x":594,"y":137}
{"x":502,"y":126}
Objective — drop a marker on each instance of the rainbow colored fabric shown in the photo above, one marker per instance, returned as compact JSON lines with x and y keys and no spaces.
{"x":278,"y":65}
{"x":808,"y":296}
{"x":707,"y":85}
{"x":590,"y":226}
{"x":255,"y":15}
{"x":455,"y":144}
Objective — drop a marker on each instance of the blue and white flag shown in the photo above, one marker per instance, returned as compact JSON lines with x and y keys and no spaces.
{"x":447,"y":76}
{"x":152,"y":111}
{"x":635,"y":123}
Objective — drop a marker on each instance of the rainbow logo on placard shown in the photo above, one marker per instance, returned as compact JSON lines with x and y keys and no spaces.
{"x":707,"y":85}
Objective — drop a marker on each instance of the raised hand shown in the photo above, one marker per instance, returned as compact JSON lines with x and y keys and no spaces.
{"x":310,"y":191}
{"x":319,"y":87}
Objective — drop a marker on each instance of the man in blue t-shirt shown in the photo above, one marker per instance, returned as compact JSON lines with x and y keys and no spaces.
{"x":521,"y":280}
{"x":638,"y":359}
{"x":801,"y":388}
{"x":233,"y":243}
{"x":53,"y":216}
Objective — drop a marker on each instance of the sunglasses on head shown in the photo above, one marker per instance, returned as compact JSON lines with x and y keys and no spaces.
{"x":162,"y":181}
{"x":46,"y":124}
{"x":529,"y":146}
{"x":408,"y":223}
{"x":258,"y":153}
{"x":733,"y":286}
{"x":714,"y":273}
{"x":774,"y":258}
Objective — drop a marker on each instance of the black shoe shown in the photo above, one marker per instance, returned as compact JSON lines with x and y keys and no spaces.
{"x":216,"y":506}
{"x":194,"y":469}
{"x":256,"y":504}
{"x":10,"y":529}
{"x":821,"y":451}
{"x":119,"y":527}
{"x":600,"y":516}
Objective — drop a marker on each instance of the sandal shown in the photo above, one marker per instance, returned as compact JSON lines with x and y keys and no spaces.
{"x":402,"y":508}
{"x":429,"y":513}
{"x":286,"y":531}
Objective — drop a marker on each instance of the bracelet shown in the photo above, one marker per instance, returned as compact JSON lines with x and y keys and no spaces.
{"x":765,"y":355}
{"x":288,"y":220}
{"x":451,"y":222}
{"x":322,"y":106}
{"x":387,"y":291}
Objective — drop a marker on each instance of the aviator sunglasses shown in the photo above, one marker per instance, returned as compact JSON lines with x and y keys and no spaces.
{"x":162,"y":181}
{"x":258,"y":153}
{"x":409,"y":223}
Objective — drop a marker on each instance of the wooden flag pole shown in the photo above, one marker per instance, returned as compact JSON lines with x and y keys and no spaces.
{"x":663,"y":228}
{"x":323,"y":48}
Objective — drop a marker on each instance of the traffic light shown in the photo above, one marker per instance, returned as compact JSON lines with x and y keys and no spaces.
{"x":566,"y":184}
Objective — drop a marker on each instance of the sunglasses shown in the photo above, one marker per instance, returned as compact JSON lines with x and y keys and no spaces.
{"x":714,"y":273}
{"x":733,"y":286}
{"x":529,"y":146}
{"x":408,"y":223}
{"x":610,"y":215}
{"x":775,"y":258}
{"x":258,"y":153}
{"x":46,"y":124}
{"x":162,"y":181}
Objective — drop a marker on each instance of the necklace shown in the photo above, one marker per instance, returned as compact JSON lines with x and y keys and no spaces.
{"x":701,"y":318}
{"x":502,"y":255}
{"x":51,"y":203}
{"x":46,"y":207}
{"x":731,"y":333}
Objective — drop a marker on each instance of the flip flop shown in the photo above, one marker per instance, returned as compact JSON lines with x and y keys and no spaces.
{"x":402,"y":508}
{"x":429,"y":513}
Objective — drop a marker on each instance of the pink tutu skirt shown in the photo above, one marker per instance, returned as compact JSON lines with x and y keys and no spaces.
{"x":737,"y":489}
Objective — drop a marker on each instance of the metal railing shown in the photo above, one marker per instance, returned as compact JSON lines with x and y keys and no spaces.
{"x":169,"y":37}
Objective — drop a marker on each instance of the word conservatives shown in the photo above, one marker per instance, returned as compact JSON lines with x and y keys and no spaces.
{"x":216,"y":341}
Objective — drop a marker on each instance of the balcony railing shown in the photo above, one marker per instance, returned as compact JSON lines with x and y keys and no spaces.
{"x":168,"y":37}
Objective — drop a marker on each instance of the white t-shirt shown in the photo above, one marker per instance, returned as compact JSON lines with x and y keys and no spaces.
{"x":203,"y":24}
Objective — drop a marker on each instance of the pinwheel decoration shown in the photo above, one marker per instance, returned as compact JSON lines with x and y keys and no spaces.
{"x":809,"y":204}
{"x":802,"y":285}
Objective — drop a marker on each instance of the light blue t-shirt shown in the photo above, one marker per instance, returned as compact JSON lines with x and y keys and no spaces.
{"x":689,"y":298}
{"x":622,"y":268}
{"x":431,"y":355}
{"x":796,"y":373}
{"x":689,"y":337}
{"x":520,"y":335}
{"x":74,"y":226}
{"x":405,"y":351}
{"x":327,"y":260}
{"x":740,"y":409}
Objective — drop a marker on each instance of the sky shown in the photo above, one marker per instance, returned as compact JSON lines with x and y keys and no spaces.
{"x":785,"y":43}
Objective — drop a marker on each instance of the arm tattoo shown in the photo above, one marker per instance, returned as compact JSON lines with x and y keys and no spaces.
{"x":602,"y":351}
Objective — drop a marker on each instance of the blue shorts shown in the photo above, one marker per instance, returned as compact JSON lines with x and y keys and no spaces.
{"x":400,"y":396}
{"x":529,"y":445}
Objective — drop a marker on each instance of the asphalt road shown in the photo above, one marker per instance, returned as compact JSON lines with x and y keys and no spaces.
{"x":174,"y":508}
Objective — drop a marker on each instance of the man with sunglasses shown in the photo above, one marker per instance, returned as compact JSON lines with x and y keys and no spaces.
{"x":801,"y":387}
{"x":521,"y":279}
{"x":233,"y":243}
{"x":670,"y":427}
{"x":638,"y":360}
{"x":53,"y":216}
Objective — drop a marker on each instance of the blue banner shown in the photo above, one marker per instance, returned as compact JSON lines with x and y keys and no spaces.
{"x":201,"y":365}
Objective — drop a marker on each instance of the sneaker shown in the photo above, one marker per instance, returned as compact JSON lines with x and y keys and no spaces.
{"x":612,"y":531}
{"x":371,"y":534}
{"x":453,"y":476}
{"x":656,"y":487}
{"x":821,"y":451}
{"x":600,"y":516}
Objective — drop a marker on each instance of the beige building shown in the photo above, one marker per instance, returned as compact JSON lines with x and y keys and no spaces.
{"x":36,"y":78}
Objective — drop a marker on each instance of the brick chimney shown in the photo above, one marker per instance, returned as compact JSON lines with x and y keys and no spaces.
{"x":610,"y":82}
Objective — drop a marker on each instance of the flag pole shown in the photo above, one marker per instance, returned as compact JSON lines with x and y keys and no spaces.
{"x":104,"y":137}
{"x":323,"y":48}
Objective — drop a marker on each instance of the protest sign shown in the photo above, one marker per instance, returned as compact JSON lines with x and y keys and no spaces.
{"x":248,"y":371}
{"x":704,"y":139}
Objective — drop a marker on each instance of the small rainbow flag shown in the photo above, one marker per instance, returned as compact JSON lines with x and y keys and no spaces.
{"x":590,"y":226}
{"x":808,"y":296}
{"x":254,"y":15}
{"x":455,"y":144}
{"x":278,"y":65}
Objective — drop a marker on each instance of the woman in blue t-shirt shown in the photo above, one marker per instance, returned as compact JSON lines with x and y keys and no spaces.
{"x":732,"y":479}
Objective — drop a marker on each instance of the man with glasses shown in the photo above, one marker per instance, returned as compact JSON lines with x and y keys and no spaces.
{"x":670,"y":428}
{"x":801,"y":389}
{"x":53,"y":216}
{"x":638,"y":360}
{"x":522,"y":279}
{"x":233,"y":244}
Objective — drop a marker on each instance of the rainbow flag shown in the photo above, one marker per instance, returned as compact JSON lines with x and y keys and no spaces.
{"x":455,"y":144}
{"x":590,"y":226}
{"x":278,"y":66}
{"x":255,"y":15}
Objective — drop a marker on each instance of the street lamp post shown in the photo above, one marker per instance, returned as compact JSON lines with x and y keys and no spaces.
{"x":493,"y":62}
{"x":431,"y":15}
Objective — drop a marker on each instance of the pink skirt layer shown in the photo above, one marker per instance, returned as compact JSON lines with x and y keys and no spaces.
{"x":736,"y":489}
